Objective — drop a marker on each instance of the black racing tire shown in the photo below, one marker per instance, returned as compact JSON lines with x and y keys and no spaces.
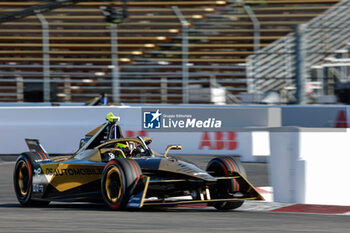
{"x":224,"y":166}
{"x":22,"y":180}
{"x":119,"y":179}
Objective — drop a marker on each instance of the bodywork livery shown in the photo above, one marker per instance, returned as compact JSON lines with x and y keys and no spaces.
{"x":127,"y":173}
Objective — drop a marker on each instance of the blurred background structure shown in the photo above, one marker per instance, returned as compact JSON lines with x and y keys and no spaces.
{"x":176,"y":51}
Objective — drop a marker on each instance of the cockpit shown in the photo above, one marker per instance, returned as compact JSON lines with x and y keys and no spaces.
{"x":106,"y":142}
{"x":118,"y":148}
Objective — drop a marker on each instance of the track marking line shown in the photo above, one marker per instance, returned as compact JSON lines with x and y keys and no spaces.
{"x":314,"y":209}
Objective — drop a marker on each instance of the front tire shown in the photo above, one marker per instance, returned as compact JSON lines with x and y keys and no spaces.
{"x":225,"y":166}
{"x":119,"y":178}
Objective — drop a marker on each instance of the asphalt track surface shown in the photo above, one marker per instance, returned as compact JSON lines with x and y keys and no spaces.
{"x":66,"y":217}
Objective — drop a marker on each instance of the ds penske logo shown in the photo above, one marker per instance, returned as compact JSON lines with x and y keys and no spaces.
{"x":152,"y":120}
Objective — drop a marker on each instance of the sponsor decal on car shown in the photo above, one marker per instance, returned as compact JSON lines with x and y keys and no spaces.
{"x":67,"y":176}
{"x":73,"y":171}
{"x":37,"y":171}
{"x":38,"y":188}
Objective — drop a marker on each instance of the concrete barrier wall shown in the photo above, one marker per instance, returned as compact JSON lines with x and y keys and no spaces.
{"x":310,"y":165}
{"x":214,"y":143}
{"x":60,"y":129}
{"x":315,"y":116}
{"x":307,"y":165}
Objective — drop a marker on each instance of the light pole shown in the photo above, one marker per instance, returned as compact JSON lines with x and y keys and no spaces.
{"x":46,"y":57}
{"x":115,"y":63}
{"x":185,"y":75}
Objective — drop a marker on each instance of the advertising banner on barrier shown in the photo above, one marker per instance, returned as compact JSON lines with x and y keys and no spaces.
{"x":60,"y":129}
{"x":227,"y":130}
{"x":201,"y":119}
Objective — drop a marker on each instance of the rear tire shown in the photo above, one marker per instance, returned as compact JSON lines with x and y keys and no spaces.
{"x":225,"y":166}
{"x":22,"y":180}
{"x":119,"y":179}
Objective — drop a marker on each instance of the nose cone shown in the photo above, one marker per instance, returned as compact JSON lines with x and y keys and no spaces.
{"x":181,"y":167}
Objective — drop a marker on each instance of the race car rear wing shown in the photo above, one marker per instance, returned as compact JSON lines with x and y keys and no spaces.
{"x":35,"y":146}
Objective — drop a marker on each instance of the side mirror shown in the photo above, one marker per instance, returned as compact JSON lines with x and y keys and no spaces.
{"x":148,"y":142}
{"x":131,"y":146}
{"x":171,"y":147}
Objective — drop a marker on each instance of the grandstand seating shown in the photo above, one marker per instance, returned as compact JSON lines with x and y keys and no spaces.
{"x":220,"y":34}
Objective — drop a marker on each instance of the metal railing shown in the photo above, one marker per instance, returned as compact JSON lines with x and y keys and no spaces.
{"x":137,"y":83}
{"x":334,"y":72}
{"x":144,"y":80}
{"x":275,"y":66}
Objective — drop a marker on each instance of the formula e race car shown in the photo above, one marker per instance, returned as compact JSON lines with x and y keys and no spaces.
{"x":127,"y":173}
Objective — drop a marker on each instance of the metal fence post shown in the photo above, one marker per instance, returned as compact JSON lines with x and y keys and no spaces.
{"x":250,"y":70}
{"x":115,"y":63}
{"x":185,"y":75}
{"x":300,"y":63}
{"x":164,"y":90}
{"x":67,"y":89}
{"x":20,"y":88}
{"x":250,"y":76}
{"x":256,"y":26}
{"x":46,"y":57}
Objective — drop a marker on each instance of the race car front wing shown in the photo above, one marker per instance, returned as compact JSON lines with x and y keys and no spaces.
{"x":139,"y":200}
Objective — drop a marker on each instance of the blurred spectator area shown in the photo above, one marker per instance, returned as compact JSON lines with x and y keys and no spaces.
{"x":149,"y":51}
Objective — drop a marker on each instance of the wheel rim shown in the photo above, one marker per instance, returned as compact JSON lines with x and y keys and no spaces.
{"x":23,"y":178}
{"x":113,"y":184}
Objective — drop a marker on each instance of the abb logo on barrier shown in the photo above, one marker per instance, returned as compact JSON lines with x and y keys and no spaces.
{"x":218,"y":141}
{"x":131,"y":134}
{"x":208,"y":141}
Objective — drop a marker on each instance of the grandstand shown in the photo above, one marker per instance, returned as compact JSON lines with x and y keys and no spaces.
{"x":298,"y":63}
{"x":147,"y":62}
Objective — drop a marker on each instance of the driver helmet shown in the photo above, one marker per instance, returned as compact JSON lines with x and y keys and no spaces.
{"x":123,"y":147}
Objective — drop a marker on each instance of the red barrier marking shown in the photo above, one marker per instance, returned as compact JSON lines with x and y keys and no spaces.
{"x":342,"y":121}
{"x":260,"y":190}
{"x":314,"y":209}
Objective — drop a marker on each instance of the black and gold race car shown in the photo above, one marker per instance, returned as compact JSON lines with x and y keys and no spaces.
{"x":127,"y":173}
